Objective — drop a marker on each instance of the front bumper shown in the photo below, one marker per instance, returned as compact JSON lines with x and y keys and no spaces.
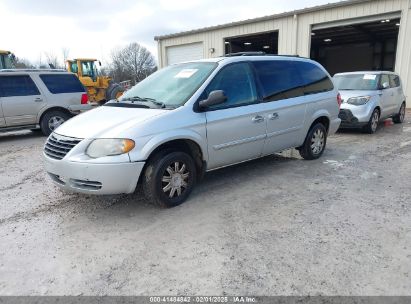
{"x":348,"y":120}
{"x":89,"y":178}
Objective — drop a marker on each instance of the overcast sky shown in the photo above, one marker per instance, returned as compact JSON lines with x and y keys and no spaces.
{"x":92,"y":28}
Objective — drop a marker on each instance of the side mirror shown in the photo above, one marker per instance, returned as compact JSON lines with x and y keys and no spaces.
{"x":99,"y":63}
{"x":385,"y":85}
{"x":215,"y":98}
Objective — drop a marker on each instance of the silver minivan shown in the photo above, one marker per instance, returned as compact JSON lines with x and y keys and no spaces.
{"x":193,"y":117}
{"x":39,"y":99}
{"x":369,"y":97}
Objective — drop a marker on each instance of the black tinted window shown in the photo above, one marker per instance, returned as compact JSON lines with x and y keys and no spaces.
{"x":279,"y":79}
{"x":62,"y":83}
{"x":394,"y":81}
{"x":238,"y":84}
{"x":17,"y":86}
{"x":315,"y":80}
{"x":288,"y":79}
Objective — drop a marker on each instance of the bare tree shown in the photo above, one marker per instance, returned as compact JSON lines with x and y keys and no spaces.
{"x":134,"y":62}
{"x":22,"y":63}
{"x":52,"y":59}
{"x":65,"y":52}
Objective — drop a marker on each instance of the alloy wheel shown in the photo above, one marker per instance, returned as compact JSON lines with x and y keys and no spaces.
{"x":402,"y":113}
{"x":175,"y":179}
{"x":374,"y":121}
{"x":317,"y":142}
{"x":55,"y":122}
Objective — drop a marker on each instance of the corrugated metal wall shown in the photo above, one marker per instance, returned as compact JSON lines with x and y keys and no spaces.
{"x":295,"y":32}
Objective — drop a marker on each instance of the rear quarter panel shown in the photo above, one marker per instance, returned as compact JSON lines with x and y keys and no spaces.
{"x":323,"y":104}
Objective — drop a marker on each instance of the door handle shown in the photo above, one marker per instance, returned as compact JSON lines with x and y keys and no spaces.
{"x":273,"y":116}
{"x":258,"y":119}
{"x":38,"y":99}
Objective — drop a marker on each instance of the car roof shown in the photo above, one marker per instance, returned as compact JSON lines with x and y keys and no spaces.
{"x":366,"y":72}
{"x":250,"y":57}
{"x":32,"y":71}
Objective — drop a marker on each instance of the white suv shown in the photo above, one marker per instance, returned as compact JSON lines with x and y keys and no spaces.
{"x":32,"y":99}
{"x":191,"y":118}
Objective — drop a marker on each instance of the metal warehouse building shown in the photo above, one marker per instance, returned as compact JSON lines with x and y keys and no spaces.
{"x":343,"y":36}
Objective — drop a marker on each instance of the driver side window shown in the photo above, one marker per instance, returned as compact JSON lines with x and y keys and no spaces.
{"x":237,"y":82}
{"x":384,"y":79}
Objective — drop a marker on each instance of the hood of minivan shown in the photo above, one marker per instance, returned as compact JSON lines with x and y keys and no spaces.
{"x":347,"y":94}
{"x":105,"y":121}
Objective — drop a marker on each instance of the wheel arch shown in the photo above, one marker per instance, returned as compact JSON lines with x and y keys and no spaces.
{"x":186,"y":141}
{"x":47,"y":110}
{"x":322,"y":117}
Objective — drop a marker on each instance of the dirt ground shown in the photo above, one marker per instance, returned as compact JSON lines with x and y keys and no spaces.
{"x":340,"y":225}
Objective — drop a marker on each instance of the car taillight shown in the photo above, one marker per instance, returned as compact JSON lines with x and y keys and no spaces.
{"x":339,"y":100}
{"x":84,"y":99}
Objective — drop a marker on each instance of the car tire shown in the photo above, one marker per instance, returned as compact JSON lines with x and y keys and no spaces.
{"x":315,"y":142}
{"x":114,"y":93}
{"x":399,"y":118}
{"x":169,"y":178}
{"x":51,"y":120}
{"x":372,"y":125}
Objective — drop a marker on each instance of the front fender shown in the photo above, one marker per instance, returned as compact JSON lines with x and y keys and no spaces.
{"x":156,"y":141}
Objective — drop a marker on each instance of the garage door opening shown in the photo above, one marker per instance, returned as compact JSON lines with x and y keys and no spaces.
{"x":356,"y":47}
{"x":267,"y":42}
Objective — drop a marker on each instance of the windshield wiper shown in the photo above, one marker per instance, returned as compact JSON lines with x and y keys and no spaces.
{"x":145,"y":99}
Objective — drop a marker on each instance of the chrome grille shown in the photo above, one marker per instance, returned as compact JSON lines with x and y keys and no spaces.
{"x":57,"y":146}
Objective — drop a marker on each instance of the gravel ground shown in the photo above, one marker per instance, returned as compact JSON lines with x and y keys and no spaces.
{"x":340,"y":225}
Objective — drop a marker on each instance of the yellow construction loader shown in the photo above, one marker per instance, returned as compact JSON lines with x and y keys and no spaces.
{"x":99,"y":88}
{"x":6,"y":60}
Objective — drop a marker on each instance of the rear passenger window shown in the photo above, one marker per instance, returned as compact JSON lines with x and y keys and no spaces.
{"x":62,"y":83}
{"x":288,"y":79}
{"x":279,"y":79}
{"x":394,"y":81}
{"x":19,"y":85}
{"x":315,"y":80}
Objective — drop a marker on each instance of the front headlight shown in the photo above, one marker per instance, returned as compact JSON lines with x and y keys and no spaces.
{"x":359,"y":101}
{"x":109,"y":147}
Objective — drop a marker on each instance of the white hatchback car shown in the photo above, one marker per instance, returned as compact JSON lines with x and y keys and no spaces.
{"x":194,"y":117}
{"x":368,"y":97}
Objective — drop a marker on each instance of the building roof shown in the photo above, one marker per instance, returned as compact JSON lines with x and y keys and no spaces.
{"x":265,"y":18}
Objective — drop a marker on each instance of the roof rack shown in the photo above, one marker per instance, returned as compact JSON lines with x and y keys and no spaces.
{"x":257,"y":54}
{"x":246,"y":54}
{"x":32,"y":70}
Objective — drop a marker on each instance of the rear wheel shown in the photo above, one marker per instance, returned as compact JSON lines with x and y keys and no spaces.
{"x":315,"y":142}
{"x":52,"y":120}
{"x":399,"y":118}
{"x":372,"y":124}
{"x":169,"y":178}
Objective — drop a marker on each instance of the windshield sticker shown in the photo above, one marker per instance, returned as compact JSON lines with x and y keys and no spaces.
{"x":369,"y":77}
{"x":186,"y":73}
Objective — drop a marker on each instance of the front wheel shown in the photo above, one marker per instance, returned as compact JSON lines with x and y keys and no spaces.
{"x":52,"y":120}
{"x":372,"y":124}
{"x":315,"y":142}
{"x":399,"y":118}
{"x":169,"y":179}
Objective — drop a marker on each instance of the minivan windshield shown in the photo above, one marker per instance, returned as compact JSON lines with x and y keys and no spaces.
{"x":170,"y":87}
{"x":361,"y":82}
